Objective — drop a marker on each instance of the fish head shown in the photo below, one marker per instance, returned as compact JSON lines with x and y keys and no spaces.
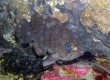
{"x":67,"y":48}
{"x":71,"y":51}
{"x":70,"y":46}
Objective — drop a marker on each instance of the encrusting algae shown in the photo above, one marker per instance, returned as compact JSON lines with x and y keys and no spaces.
{"x":97,"y":13}
{"x":63,"y":17}
{"x":99,"y":17}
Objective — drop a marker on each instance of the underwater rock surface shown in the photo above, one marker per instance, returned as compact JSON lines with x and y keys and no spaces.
{"x":24,"y":21}
{"x":72,"y":8}
{"x":43,"y":30}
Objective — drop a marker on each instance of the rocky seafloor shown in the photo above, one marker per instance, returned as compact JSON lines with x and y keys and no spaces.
{"x":88,"y":21}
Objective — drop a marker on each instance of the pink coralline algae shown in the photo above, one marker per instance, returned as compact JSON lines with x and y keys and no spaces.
{"x":79,"y":71}
{"x":54,"y":75}
{"x":66,"y":72}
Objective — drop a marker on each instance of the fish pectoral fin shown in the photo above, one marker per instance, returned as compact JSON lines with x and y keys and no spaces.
{"x":50,"y":60}
{"x":38,"y":49}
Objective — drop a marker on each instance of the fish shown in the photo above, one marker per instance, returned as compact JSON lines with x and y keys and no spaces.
{"x":49,"y":35}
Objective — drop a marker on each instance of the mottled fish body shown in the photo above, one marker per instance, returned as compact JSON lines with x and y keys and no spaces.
{"x":49,"y":35}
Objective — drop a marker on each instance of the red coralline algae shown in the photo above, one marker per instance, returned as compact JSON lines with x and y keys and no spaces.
{"x":54,"y":75}
{"x":66,"y":72}
{"x":80,"y":71}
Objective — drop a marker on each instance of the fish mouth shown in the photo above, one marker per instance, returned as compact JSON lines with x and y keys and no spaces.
{"x":50,"y":59}
{"x":48,"y":62}
{"x":53,"y":58}
{"x":69,"y":59}
{"x":73,"y":56}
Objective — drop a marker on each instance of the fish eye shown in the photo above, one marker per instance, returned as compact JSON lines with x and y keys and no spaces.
{"x":70,"y":47}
